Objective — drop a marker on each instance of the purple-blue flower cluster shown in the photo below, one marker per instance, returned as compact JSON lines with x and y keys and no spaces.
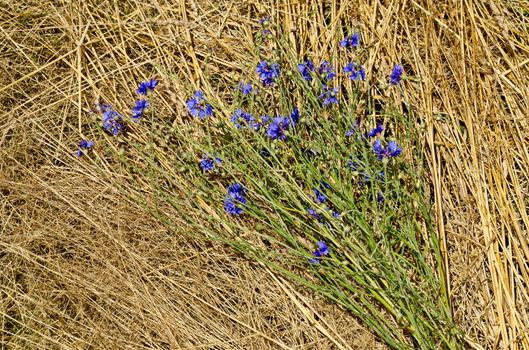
{"x":147,"y":86}
{"x":322,"y":251}
{"x":355,"y":71}
{"x":306,"y":68}
{"x":396,"y":73}
{"x":112,"y":122}
{"x":391,"y":151}
{"x":326,"y":71}
{"x":234,"y":198}
{"x":84,"y":146}
{"x":245,"y":88}
{"x":351,"y":41}
{"x":240,"y":118}
{"x":138,"y":109}
{"x":268,"y":73}
{"x":208,"y":164}
{"x":329,"y":95}
{"x":198,"y":107}
{"x":376,"y":131}
{"x":278,"y":127}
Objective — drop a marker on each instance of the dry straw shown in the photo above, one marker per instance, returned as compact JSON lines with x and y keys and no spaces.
{"x":82,"y":267}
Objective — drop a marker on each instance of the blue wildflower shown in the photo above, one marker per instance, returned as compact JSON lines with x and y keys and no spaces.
{"x":240,"y":118}
{"x":235,"y":196}
{"x":352,"y":165}
{"x":208,"y":164}
{"x":147,"y":86}
{"x":326,"y":71}
{"x":353,"y":129}
{"x":138,"y":109}
{"x":380,"y":197}
{"x":84,"y":145}
{"x":112,"y":122}
{"x":276,"y":130}
{"x":198,"y":107}
{"x":268,"y":72}
{"x":245,"y":88}
{"x":329,"y":95}
{"x":294,"y":116}
{"x":312,"y":212}
{"x":397,"y":71}
{"x":391,"y":151}
{"x":320,"y":197}
{"x":376,"y":131}
{"x":306,"y":68}
{"x":355,"y":71}
{"x":351,"y":41}
{"x":323,"y":250}
{"x":325,"y":184}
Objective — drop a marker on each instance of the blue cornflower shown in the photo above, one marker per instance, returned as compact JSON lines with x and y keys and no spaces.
{"x":397,"y":71}
{"x":306,"y":68}
{"x":112,"y":122}
{"x":376,"y":131}
{"x":312,"y":212}
{"x":208,"y":164}
{"x":198,"y":107}
{"x":355,"y":71}
{"x":329,"y":95}
{"x":325,"y":184}
{"x":245,"y":88}
{"x":353,"y":129}
{"x":84,"y":145}
{"x":276,"y":130}
{"x":323,"y":250}
{"x":391,"y":151}
{"x":352,"y":165}
{"x":240,"y":116}
{"x":138,"y":109}
{"x":147,"y":86}
{"x":351,"y":41}
{"x":326,"y":71}
{"x":380,"y":197}
{"x":320,"y":197}
{"x":268,"y":72}
{"x":234,"y":197}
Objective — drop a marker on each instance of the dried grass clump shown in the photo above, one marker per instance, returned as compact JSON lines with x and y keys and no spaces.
{"x":84,"y":268}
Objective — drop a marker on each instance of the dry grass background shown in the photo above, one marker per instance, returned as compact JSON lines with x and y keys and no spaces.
{"x":81,"y":267}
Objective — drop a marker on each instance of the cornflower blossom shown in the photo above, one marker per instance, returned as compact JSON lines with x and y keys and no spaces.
{"x":84,"y":145}
{"x":355,"y":71}
{"x":265,"y":23}
{"x":147,"y":86}
{"x":268,"y":73}
{"x":376,"y":131}
{"x":278,"y":127}
{"x":326,"y":71}
{"x":396,"y":73}
{"x":294,"y":116}
{"x":351,"y":41}
{"x":320,"y":197}
{"x":139,"y":108}
{"x":112,"y":122}
{"x":329,"y":95}
{"x":245,"y":88}
{"x":306,"y":68}
{"x":312,"y":212}
{"x":353,"y":129}
{"x":391,"y":151}
{"x":322,"y":251}
{"x":234,"y":197}
{"x":198,"y":107}
{"x":240,"y":116}
{"x":208,"y":164}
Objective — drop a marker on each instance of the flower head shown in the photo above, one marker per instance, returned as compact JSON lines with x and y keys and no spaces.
{"x":147,"y":86}
{"x":198,"y":107}
{"x":323,"y":250}
{"x":84,"y":145}
{"x":138,"y":109}
{"x":326,"y":71}
{"x":376,"y":131}
{"x":234,"y":197}
{"x":268,"y":72}
{"x":391,"y":151}
{"x":112,"y":122}
{"x":306,"y":68}
{"x":312,"y":212}
{"x":355,"y":71}
{"x":245,"y":88}
{"x":396,"y":73}
{"x":320,"y":197}
{"x":353,"y":129}
{"x":329,"y":95}
{"x":208,"y":164}
{"x":276,"y":129}
{"x":351,"y":41}
{"x":294,"y":116}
